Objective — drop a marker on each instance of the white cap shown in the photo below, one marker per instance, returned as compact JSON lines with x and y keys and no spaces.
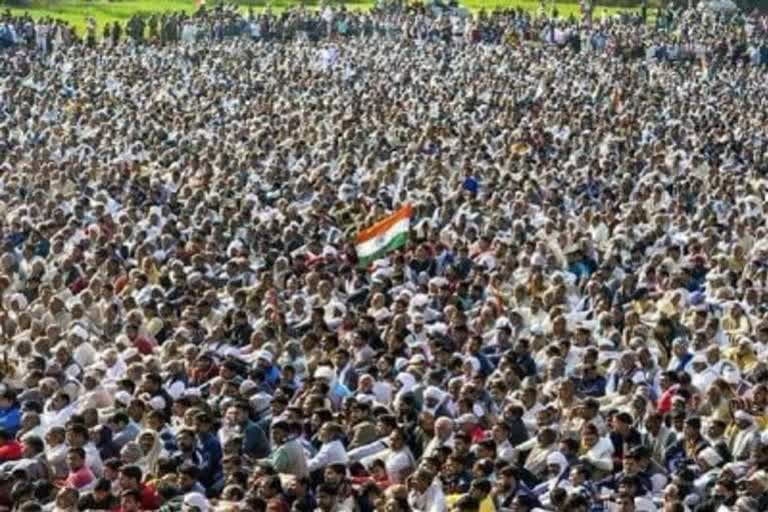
{"x":157,"y":403}
{"x":265,"y":355}
{"x":197,"y":500}
{"x":123,"y":397}
{"x":247,"y":386}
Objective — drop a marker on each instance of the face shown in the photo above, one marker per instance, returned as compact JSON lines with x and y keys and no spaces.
{"x":146,"y":442}
{"x":625,"y":504}
{"x":325,"y":501}
{"x":66,"y":499}
{"x":185,"y":481}
{"x":332,"y":477}
{"x":127,"y":482}
{"x":74,"y":461}
{"x":129,"y":504}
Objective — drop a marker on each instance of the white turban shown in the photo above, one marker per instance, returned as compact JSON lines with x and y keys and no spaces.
{"x":558,"y":459}
{"x":710,"y":456}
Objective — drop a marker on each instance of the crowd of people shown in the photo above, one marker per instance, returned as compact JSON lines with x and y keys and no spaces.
{"x":577,"y":321}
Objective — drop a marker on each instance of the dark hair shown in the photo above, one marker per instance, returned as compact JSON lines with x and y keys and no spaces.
{"x":467,"y":503}
{"x":9,"y":394}
{"x":120,"y":417}
{"x":727,"y":483}
{"x":572,"y":444}
{"x":131,"y":492}
{"x":77,"y":451}
{"x":113,"y":463}
{"x":273,"y":482}
{"x":103,"y":485}
{"x":338,"y":467}
{"x":78,"y":429}
{"x":486,"y":466}
{"x":43,"y":490}
{"x":133,"y":472}
{"x":483,"y":485}
{"x":189,"y":470}
{"x":326,"y":488}
{"x":167,"y":490}
{"x":35,"y":442}
{"x":575,"y":500}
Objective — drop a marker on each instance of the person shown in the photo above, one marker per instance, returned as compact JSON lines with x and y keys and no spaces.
{"x":10,"y":412}
{"x":130,"y":501}
{"x":332,"y":449}
{"x":491,"y":247}
{"x":131,"y":481}
{"x":100,"y":498}
{"x":255,"y":441}
{"x":80,"y":476}
{"x":10,"y":448}
{"x":288,"y":457}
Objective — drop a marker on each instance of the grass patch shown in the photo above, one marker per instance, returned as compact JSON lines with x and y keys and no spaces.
{"x":76,"y":12}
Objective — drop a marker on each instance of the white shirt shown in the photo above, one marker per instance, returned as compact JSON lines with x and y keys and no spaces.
{"x":431,"y":500}
{"x":329,"y":453}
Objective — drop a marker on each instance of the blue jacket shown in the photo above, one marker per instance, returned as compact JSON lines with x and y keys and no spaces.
{"x":210,"y":449}
{"x":10,"y":419}
{"x":255,"y":443}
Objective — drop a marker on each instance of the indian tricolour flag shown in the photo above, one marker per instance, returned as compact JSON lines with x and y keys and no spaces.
{"x":384,"y":236}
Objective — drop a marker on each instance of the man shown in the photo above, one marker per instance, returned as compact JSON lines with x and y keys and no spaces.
{"x":131,"y":480}
{"x":124,"y":429}
{"x":33,"y":461}
{"x":77,"y":437}
{"x":425,"y":492}
{"x":444,"y":430}
{"x":187,"y":448}
{"x":255,"y":442}
{"x":327,"y":498}
{"x":10,"y":448}
{"x":332,"y":449}
{"x":210,"y":449}
{"x":130,"y":501}
{"x":363,"y":430}
{"x":80,"y":475}
{"x":153,"y":384}
{"x":687,"y":447}
{"x":195,"y":502}
{"x":288,"y":456}
{"x":345,"y":371}
{"x":623,"y":436}
{"x":657,"y":436}
{"x":10,"y":412}
{"x":744,"y":435}
{"x":470,"y":425}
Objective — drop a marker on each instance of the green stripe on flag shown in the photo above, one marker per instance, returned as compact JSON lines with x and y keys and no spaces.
{"x":396,"y":242}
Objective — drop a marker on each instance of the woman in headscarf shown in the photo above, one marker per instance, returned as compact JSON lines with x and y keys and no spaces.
{"x":151,"y":449}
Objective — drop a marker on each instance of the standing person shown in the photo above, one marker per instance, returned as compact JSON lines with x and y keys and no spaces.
{"x":117,"y":31}
{"x":90,"y":32}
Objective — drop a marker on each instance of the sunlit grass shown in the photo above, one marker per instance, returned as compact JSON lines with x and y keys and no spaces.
{"x":76,"y":12}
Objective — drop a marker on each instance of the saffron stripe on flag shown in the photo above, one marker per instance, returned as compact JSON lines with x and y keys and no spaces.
{"x":383,"y":226}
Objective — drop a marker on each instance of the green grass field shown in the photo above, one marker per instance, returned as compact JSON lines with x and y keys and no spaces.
{"x":103,"y":11}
